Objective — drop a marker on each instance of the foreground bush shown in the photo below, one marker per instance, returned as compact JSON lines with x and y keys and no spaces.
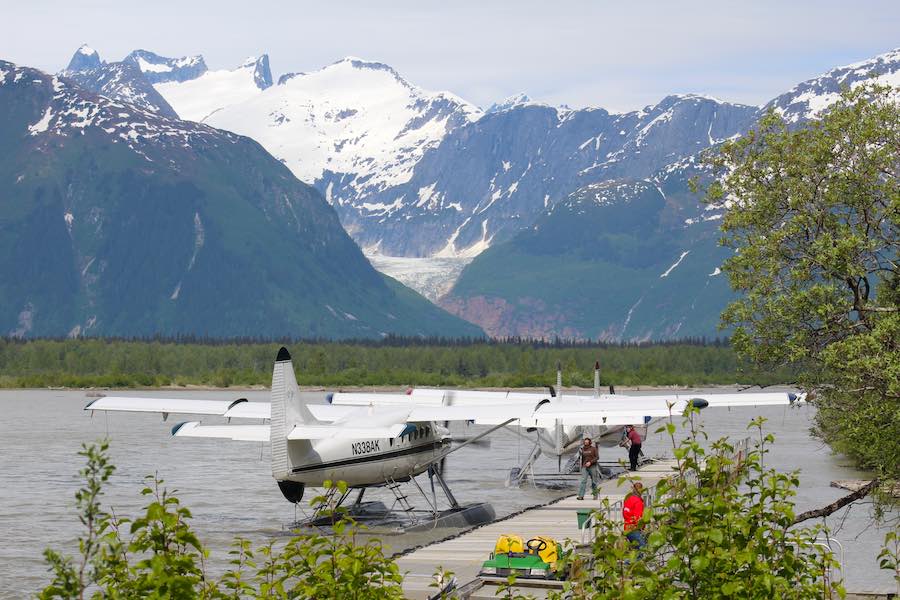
{"x":718,"y":529}
{"x":157,"y":555}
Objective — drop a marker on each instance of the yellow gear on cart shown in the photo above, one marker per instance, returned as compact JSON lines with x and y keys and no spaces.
{"x":548,"y":551}
{"x":507,"y":543}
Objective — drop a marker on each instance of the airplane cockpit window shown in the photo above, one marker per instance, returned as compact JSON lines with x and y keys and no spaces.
{"x":407,"y":431}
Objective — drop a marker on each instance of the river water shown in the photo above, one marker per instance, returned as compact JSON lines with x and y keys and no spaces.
{"x":229,"y":488}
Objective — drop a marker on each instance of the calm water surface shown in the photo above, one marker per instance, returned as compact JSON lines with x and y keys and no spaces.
{"x":229,"y":487}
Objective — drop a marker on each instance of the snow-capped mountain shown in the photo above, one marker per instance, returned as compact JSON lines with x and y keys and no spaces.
{"x":84,"y":59}
{"x":642,"y":251}
{"x":491,"y":178}
{"x":513,"y":101}
{"x":119,"y":221}
{"x":182,"y":87}
{"x":354,"y":128}
{"x":120,"y":80}
{"x":807,"y":100}
{"x":415,"y":174}
{"x":211,"y":92}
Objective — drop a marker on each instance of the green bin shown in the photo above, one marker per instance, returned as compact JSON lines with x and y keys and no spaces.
{"x":584,"y":516}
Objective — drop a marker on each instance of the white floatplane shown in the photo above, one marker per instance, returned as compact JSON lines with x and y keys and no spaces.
{"x":370,"y":439}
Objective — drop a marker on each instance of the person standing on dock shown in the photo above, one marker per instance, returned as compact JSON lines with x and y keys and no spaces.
{"x":589,"y":468}
{"x":634,"y":449}
{"x":632,"y":511}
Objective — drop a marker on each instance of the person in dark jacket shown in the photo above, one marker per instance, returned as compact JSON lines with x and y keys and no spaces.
{"x":589,"y":468}
{"x":634,"y":449}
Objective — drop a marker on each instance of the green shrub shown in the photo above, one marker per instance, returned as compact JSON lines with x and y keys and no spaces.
{"x":157,"y":554}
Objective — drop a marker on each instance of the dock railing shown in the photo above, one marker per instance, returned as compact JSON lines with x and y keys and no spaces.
{"x":613,"y":511}
{"x":740,"y":450}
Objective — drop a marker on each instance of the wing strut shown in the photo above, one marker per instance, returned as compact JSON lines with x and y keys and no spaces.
{"x":442,"y":455}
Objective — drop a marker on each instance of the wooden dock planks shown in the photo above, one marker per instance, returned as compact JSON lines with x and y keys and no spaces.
{"x":464,"y":554}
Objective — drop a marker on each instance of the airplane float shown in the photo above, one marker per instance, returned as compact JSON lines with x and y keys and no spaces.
{"x":372,"y":440}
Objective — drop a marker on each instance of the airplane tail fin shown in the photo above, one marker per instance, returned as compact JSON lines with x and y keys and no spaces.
{"x":288,"y":410}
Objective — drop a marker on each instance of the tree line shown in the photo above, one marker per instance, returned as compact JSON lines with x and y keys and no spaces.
{"x":92,"y":362}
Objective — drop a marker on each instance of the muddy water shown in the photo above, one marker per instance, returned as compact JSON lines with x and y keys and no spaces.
{"x":229,"y":488}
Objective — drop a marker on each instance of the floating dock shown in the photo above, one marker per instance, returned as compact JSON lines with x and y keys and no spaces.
{"x":464,"y":553}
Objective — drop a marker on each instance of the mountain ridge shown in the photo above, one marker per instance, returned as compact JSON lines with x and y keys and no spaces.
{"x":504,"y":289}
{"x":446,"y":181}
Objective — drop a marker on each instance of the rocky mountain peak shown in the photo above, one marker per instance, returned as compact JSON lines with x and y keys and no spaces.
{"x":807,"y":100}
{"x":84,"y":59}
{"x":160,"y":69}
{"x":262,"y":74}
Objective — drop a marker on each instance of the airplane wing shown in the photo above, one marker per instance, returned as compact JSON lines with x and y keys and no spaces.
{"x":437,"y":397}
{"x":469,"y":397}
{"x":240,"y":408}
{"x":240,"y":433}
{"x":261,"y":433}
{"x":535,"y":410}
{"x":390,"y":412}
{"x":677,"y":402}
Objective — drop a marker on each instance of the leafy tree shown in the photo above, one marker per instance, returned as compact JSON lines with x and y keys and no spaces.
{"x":719,"y":528}
{"x":813,"y":218}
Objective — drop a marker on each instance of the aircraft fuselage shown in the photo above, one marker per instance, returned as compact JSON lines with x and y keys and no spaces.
{"x":368,"y":462}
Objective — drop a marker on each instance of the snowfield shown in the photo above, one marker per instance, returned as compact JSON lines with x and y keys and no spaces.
{"x":355,"y":117}
{"x":214,"y":91}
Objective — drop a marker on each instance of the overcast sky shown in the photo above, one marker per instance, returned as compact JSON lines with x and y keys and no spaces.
{"x":618,"y":55}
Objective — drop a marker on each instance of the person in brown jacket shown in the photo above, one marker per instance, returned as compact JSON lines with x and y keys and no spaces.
{"x":589,"y":468}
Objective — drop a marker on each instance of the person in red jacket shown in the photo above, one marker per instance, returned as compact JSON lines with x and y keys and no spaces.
{"x":632,"y":511}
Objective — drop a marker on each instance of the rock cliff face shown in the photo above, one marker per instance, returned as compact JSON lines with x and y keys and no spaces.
{"x":160,"y":69}
{"x":116,"y":220}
